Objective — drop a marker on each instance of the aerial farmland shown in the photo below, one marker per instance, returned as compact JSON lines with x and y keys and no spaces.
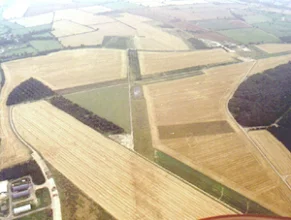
{"x":133,"y":109}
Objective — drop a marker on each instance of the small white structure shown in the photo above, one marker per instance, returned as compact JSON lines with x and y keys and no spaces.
{"x":22,"y":209}
{"x":3,"y":189}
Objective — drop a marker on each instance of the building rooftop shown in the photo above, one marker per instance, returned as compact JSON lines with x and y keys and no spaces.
{"x":3,"y":187}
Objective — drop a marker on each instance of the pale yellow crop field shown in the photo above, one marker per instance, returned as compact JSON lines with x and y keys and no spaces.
{"x":269,"y":63}
{"x":12,"y":151}
{"x":67,"y":28}
{"x":114,"y":29}
{"x":145,"y":31}
{"x":289,"y":180}
{"x":277,"y":153}
{"x":81,"y":17}
{"x":158,"y":62}
{"x":95,"y":9}
{"x":96,"y":37}
{"x":35,"y":20}
{"x":88,"y":39}
{"x":123,"y":183}
{"x":274,"y":48}
{"x":66,"y":69}
{"x":227,"y":157}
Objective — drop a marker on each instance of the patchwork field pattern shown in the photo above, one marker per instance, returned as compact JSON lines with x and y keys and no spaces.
{"x":229,"y":157}
{"x":276,"y":152}
{"x":80,"y":17}
{"x":158,"y":62}
{"x":76,"y":150}
{"x":97,"y":37}
{"x":146,"y":33}
{"x":67,"y":28}
{"x":58,"y":71}
{"x":87,"y":39}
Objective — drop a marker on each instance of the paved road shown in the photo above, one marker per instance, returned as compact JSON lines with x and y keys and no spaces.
{"x":49,"y":183}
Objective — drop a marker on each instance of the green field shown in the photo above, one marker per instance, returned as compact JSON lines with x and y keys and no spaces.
{"x":43,"y":35}
{"x":250,"y":36}
{"x":28,"y":50}
{"x":279,"y":28}
{"x":222,"y":24}
{"x":20,"y":31}
{"x":252,"y":19}
{"x":117,"y":42}
{"x":43,"y":197}
{"x":111,"y":103}
{"x":45,"y":45}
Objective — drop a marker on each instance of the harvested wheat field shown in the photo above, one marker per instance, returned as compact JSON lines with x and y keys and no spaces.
{"x":158,"y":62}
{"x":80,"y":17}
{"x":268,"y":63}
{"x":120,"y":181}
{"x":274,"y":150}
{"x":12,"y":151}
{"x":35,"y":20}
{"x":114,"y":29}
{"x":67,"y":28}
{"x":145,"y":32}
{"x":58,"y":71}
{"x":228,"y":156}
{"x":274,"y":48}
{"x":87,"y":39}
{"x":289,"y":180}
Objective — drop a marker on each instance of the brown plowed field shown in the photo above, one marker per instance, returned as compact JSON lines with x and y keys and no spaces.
{"x":228,"y":158}
{"x":123,"y":183}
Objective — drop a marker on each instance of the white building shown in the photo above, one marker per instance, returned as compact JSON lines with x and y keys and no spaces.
{"x":22,"y":209}
{"x":3,"y":189}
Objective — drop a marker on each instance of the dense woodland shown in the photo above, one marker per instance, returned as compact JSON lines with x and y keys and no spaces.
{"x":283,"y":131}
{"x":263,"y":98}
{"x":29,"y":90}
{"x":29,"y":168}
{"x":87,"y":117}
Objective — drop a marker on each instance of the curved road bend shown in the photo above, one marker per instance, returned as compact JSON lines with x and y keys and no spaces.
{"x":49,"y":182}
{"x":283,"y":178}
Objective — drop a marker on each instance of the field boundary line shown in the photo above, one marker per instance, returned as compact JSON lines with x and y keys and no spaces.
{"x":244,"y":131}
{"x":129,"y":95}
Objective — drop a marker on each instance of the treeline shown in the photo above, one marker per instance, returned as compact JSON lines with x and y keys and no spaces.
{"x":29,"y":168}
{"x":29,"y":90}
{"x":87,"y":117}
{"x":263,"y":98}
